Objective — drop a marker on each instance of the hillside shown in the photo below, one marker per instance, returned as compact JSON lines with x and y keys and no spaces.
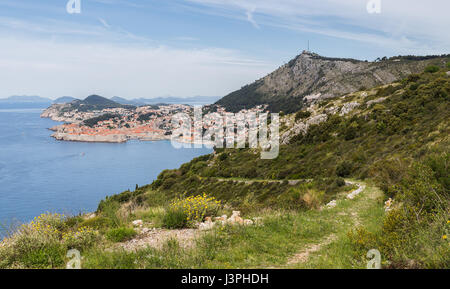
{"x":311,"y":76}
{"x":93,"y":102}
{"x":396,"y":136}
{"x":318,"y":205}
{"x":400,"y":122}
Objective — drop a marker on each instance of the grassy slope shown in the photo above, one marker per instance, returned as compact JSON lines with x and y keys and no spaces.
{"x":377,"y":141}
{"x":400,"y":143}
{"x":270,"y":245}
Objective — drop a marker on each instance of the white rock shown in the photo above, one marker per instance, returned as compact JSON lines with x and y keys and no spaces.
{"x":348,"y":107}
{"x":312,"y":97}
{"x":90,"y":216}
{"x":145,"y":230}
{"x":236,"y":218}
{"x":248,"y":222}
{"x":356,"y":192}
{"x":331,"y":204}
{"x":317,"y":119}
{"x":378,"y":100}
{"x":205,"y":226}
{"x":138,"y":223}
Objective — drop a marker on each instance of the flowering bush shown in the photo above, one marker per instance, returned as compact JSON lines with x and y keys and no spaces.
{"x":188,"y":211}
{"x":198,"y":207}
{"x":37,"y":244}
{"x":81,"y":238}
{"x":44,"y":227}
{"x":43,"y":243}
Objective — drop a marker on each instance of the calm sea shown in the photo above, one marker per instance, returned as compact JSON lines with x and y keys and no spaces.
{"x":39,"y":174}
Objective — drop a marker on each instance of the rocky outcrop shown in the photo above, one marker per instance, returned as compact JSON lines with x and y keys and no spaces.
{"x":302,"y":127}
{"x":348,"y":107}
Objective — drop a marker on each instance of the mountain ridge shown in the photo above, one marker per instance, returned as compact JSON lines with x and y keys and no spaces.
{"x":311,"y":76}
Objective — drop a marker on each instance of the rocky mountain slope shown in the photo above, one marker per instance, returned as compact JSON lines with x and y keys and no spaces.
{"x":311,"y":76}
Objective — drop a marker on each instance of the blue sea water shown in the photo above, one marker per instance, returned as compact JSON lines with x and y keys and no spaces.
{"x":39,"y":174}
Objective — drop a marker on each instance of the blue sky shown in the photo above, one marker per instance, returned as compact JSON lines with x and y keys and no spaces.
{"x":184,"y":48}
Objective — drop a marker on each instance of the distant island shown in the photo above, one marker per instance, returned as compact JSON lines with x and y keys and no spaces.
{"x":25,"y":99}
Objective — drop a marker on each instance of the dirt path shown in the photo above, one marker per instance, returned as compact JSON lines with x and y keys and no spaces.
{"x":347,"y":213}
{"x":156,"y":238}
{"x":350,"y":212}
{"x":252,"y":181}
{"x":302,"y":256}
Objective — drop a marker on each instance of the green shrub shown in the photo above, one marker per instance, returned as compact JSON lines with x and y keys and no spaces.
{"x":51,"y":255}
{"x":223,"y":156}
{"x":302,"y":115}
{"x":414,"y":86}
{"x":73,"y":221}
{"x":197,"y":207}
{"x":388,"y":90}
{"x":37,"y":244}
{"x":413,"y":234}
{"x":351,"y":131}
{"x":117,"y":259}
{"x":431,"y":69}
{"x":120,"y":234}
{"x":362,"y":240}
{"x":80,"y":239}
{"x":109,"y":211}
{"x":340,"y":182}
{"x":175,"y":219}
{"x":97,"y":223}
{"x":155,"y":198}
{"x":344,"y":169}
{"x":387,"y":173}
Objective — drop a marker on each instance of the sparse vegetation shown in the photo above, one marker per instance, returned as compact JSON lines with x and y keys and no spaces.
{"x":432,"y":69}
{"x":120,"y":234}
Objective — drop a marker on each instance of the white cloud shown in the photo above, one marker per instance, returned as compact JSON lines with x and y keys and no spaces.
{"x":104,"y":23}
{"x":414,"y":25}
{"x":53,"y":69}
{"x":250,"y":19}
